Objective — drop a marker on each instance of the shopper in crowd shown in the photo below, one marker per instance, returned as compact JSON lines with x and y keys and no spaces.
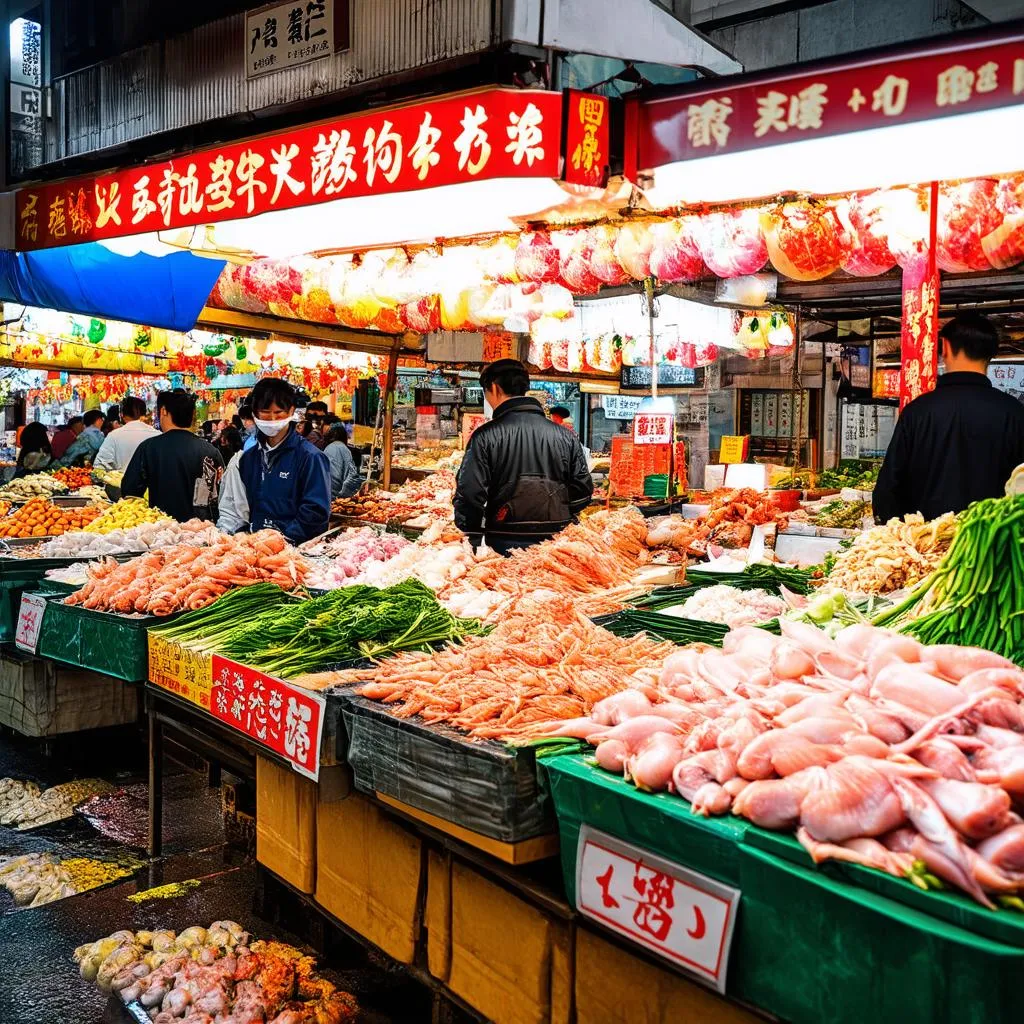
{"x":84,"y":447}
{"x":63,"y":438}
{"x":523,"y":478}
{"x":180,"y":470}
{"x":119,"y":446}
{"x":248,"y":426}
{"x":345,"y":480}
{"x":314,"y":432}
{"x":36,"y":453}
{"x":560,"y":415}
{"x":229,"y":443}
{"x":286,"y":481}
{"x":958,"y":443}
{"x":112,"y":420}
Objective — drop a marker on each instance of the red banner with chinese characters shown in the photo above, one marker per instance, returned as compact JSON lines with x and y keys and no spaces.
{"x":284,"y":718}
{"x":587,"y":139}
{"x":493,"y":133}
{"x":885,"y":383}
{"x":935,"y":81}
{"x":919,"y":354}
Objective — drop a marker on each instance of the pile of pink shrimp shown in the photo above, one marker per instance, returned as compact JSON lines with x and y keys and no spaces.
{"x":188,"y":577}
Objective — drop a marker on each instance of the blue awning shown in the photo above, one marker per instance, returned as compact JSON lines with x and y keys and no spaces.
{"x":160,"y":291}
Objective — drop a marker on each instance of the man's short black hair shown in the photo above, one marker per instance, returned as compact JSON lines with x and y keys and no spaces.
{"x":973,"y":335}
{"x":180,"y":406}
{"x":317,"y":407}
{"x":74,"y":421}
{"x":509,"y":375}
{"x":133,"y":408}
{"x":245,"y":411}
{"x":92,"y":417}
{"x":560,"y":410}
{"x":272,"y":391}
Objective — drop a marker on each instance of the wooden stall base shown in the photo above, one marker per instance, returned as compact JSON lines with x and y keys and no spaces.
{"x":528,"y":851}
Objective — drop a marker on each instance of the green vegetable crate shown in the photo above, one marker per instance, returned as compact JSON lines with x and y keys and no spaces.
{"x":16,"y":576}
{"x":838,"y":943}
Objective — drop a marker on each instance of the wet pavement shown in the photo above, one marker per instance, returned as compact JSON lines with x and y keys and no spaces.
{"x":40,"y":981}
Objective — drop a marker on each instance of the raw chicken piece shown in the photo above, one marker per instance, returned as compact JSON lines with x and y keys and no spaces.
{"x":946,"y":720}
{"x":611,"y":755}
{"x":913,"y":687}
{"x":887,"y":727}
{"x":652,"y":767}
{"x":1007,"y":764}
{"x":635,"y":731}
{"x":812,"y":706}
{"x":751,"y":641}
{"x":789,"y":661}
{"x":781,"y":752}
{"x":890,"y":649}
{"x":693,"y":772}
{"x":619,"y":707}
{"x":957,"y":662}
{"x":808,"y":638}
{"x":831,"y":728}
{"x":868,"y":852}
{"x":857,"y":800}
{"x":1005,"y":849}
{"x":946,"y":758}
{"x":776,"y":803}
{"x":839,"y":665}
{"x":711,"y":799}
{"x":860,"y":640}
{"x":1011,"y":679}
{"x":974,"y":810}
{"x":938,"y":844}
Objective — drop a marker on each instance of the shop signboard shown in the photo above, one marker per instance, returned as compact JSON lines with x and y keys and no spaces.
{"x":284,"y":718}
{"x":286,"y":35}
{"x":30,"y":622}
{"x":885,"y":383}
{"x":620,"y":407}
{"x":941,"y":80}
{"x":670,"y":375}
{"x":180,"y":670}
{"x":681,"y":915}
{"x":587,"y":139}
{"x":734,"y":449}
{"x":487,"y":134}
{"x":1008,"y":377}
{"x":653,"y":428}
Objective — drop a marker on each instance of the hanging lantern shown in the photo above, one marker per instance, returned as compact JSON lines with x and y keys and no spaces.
{"x":967,"y":214}
{"x":864,"y":218}
{"x":676,"y":253}
{"x":805,"y":240}
{"x":731,"y":242}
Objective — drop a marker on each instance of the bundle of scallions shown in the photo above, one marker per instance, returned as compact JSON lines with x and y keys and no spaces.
{"x":287,"y":636}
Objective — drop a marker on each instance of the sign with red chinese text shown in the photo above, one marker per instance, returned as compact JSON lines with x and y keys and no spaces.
{"x":1008,"y":377}
{"x":30,"y":622}
{"x":587,"y":139}
{"x":281,"y":36}
{"x":929,"y":82}
{"x":284,"y":718}
{"x":735,"y":448}
{"x":493,"y":133}
{"x":653,"y":427}
{"x":180,"y":670}
{"x":498,"y":345}
{"x":679,"y":914}
{"x":885,"y":383}
{"x":919,"y":353}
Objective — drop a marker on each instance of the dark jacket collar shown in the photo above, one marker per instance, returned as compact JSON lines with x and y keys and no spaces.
{"x":964,"y":378}
{"x":522,"y":404}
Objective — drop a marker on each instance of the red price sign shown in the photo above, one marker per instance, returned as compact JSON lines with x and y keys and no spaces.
{"x":284,"y":718}
{"x":30,"y":622}
{"x":653,"y":428}
{"x":679,"y":914}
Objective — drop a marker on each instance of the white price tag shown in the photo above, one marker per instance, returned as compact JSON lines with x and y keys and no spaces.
{"x":653,"y":428}
{"x":683,"y":916}
{"x":30,"y":621}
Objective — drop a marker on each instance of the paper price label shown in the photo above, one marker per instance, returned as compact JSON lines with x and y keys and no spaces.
{"x":30,"y":622}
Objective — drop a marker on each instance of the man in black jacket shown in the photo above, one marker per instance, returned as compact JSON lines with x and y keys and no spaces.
{"x":958,"y":443}
{"x":523,"y":478}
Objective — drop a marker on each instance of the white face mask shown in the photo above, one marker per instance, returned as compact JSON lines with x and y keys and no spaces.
{"x":271,"y":428}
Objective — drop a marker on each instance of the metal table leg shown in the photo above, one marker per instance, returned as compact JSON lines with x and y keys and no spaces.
{"x":156,"y":784}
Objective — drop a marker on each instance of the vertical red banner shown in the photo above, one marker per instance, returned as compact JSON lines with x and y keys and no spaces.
{"x":587,"y":138}
{"x":919,"y":338}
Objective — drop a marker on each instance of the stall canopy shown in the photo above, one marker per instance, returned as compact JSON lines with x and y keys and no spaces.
{"x":163,"y":291}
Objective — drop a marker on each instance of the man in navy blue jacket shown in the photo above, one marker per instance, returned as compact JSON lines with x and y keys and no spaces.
{"x":282,"y":482}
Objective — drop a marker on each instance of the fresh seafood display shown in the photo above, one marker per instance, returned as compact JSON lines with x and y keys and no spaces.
{"x":26,"y":805}
{"x":418,"y":502}
{"x":149,"y":536}
{"x":543,"y":662}
{"x":872,"y":747}
{"x":187,"y":577}
{"x":74,"y":477}
{"x":729,"y":606}
{"x":201,"y":975}
{"x":342,"y":558}
{"x":38,"y":485}
{"x":37,"y":878}
{"x":890,"y":557}
{"x":445,"y":454}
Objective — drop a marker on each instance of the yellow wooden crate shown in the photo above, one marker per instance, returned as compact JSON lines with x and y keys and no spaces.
{"x":286,"y":824}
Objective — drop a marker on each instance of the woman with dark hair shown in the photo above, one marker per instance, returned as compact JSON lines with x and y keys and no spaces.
{"x":345,"y":479}
{"x":36,"y":453}
{"x":112,"y":419}
{"x":229,"y":442}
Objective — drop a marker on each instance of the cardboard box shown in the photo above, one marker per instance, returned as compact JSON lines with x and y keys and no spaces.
{"x":509,"y":961}
{"x":286,"y":824}
{"x":42,"y":698}
{"x":438,"y":914}
{"x":369,"y":874}
{"x":615,"y":987}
